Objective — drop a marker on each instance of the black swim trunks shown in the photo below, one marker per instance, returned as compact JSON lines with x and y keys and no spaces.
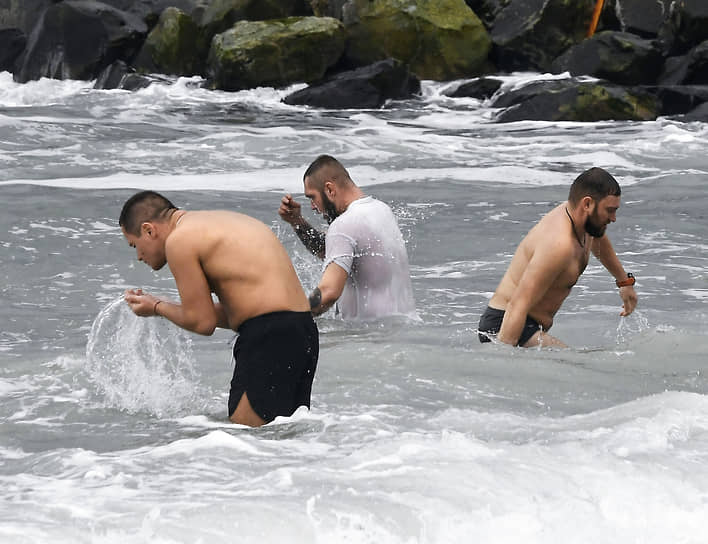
{"x":276,"y":358}
{"x":491,"y":322}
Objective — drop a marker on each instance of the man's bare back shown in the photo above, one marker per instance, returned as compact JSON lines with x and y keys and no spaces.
{"x":244,"y":263}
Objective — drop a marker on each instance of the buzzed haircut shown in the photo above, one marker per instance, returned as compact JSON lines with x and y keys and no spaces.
{"x":340,"y":175}
{"x":595,"y":183}
{"x":144,"y":206}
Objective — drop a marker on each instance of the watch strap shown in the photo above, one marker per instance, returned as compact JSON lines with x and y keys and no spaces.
{"x":629,"y":280}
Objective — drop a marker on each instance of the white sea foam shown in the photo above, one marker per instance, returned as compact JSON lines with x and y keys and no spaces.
{"x":290,"y":179}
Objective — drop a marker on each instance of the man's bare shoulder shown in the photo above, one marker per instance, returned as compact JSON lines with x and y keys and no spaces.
{"x":552,"y":235}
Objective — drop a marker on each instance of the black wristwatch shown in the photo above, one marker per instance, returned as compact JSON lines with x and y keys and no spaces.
{"x":626,"y":282}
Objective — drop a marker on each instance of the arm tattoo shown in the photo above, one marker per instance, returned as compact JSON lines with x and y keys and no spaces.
{"x":315,"y":298}
{"x":313,"y":239}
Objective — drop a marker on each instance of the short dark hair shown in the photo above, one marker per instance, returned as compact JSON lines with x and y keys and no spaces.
{"x":141,"y":207}
{"x":340,"y":175}
{"x":595,"y":183}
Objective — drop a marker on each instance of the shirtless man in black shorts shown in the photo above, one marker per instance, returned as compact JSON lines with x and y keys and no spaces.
{"x":243,"y":263}
{"x":549,"y":261}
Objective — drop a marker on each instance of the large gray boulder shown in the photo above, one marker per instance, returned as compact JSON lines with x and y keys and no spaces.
{"x":12,"y":44}
{"x":679,"y":99}
{"x":686,"y":27}
{"x":571,"y":100}
{"x":438,"y":39}
{"x":77,"y":39}
{"x":275,"y":53}
{"x":642,"y":17}
{"x":328,"y":8}
{"x":367,"y":87}
{"x":700,"y":113}
{"x":690,"y":69}
{"x":175,"y":46}
{"x":616,"y":56}
{"x":150,"y":10}
{"x":22,"y":14}
{"x":220,"y":15}
{"x":487,"y":10}
{"x":530,"y":34}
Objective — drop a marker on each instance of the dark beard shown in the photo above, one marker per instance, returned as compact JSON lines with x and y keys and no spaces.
{"x":329,"y":212}
{"x":593,"y":228}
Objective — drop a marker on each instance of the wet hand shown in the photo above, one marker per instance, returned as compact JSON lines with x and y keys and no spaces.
{"x":290,"y":210}
{"x":629,"y":297}
{"x":141,"y":303}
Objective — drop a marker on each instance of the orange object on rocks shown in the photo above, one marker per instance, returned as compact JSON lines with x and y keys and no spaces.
{"x":595,"y":17}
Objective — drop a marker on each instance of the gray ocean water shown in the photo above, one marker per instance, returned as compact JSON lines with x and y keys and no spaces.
{"x":113,"y":428}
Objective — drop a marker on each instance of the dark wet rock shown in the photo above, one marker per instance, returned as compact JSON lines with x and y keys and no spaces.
{"x":22,"y":14}
{"x":487,"y":10}
{"x":220,"y":15}
{"x":690,"y":69}
{"x":571,"y":100}
{"x":121,"y":76}
{"x":366,"y":87}
{"x":481,"y":88}
{"x":641,"y":17}
{"x":77,"y":39}
{"x":175,"y":46}
{"x":328,"y":8}
{"x":686,"y":27}
{"x":275,"y":53}
{"x":619,"y":57}
{"x":150,"y":10}
{"x":12,"y":44}
{"x":439,"y":40}
{"x":679,"y":99}
{"x":698,"y":114}
{"x":530,"y":34}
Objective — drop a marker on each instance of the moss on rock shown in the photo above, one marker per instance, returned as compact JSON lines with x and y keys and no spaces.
{"x":275,"y":53}
{"x":439,"y":39}
{"x":175,"y":46}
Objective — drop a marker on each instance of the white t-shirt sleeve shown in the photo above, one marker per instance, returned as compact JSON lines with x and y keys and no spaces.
{"x":340,"y":249}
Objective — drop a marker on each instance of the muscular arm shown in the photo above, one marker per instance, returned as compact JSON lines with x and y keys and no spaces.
{"x":291,"y":212}
{"x":330,"y":289}
{"x":196,"y":311}
{"x":605,"y":253}
{"x":312,"y":239}
{"x":546,"y":264}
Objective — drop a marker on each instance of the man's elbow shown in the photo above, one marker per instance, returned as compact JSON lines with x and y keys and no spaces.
{"x":330,"y":295}
{"x":205,"y":331}
{"x":203,"y":327}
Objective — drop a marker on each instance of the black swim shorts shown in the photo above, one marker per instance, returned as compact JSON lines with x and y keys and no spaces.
{"x":491,"y":322}
{"x":275,"y":358}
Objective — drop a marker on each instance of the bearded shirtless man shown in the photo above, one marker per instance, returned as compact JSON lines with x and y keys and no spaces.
{"x":242,"y":262}
{"x":549,"y":261}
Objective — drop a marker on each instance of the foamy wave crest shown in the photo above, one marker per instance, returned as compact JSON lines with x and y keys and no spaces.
{"x":141,"y":364}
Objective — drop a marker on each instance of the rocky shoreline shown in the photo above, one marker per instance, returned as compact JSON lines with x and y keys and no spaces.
{"x":641,"y":61}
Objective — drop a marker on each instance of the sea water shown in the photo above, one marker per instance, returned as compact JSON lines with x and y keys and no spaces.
{"x":113,"y":428}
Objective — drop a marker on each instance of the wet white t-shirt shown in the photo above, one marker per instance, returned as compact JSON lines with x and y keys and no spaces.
{"x":367,"y":243}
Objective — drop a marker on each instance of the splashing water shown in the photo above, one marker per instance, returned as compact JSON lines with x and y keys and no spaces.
{"x":141,"y":364}
{"x":636,"y":323}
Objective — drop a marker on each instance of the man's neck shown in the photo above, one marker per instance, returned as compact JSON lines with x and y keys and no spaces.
{"x":352,"y":196}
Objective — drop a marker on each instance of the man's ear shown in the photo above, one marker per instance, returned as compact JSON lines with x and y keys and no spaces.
{"x":587,"y":202}
{"x":330,"y":188}
{"x":147,"y":228}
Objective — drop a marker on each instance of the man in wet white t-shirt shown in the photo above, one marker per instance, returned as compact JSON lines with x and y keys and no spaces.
{"x":365,"y":261}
